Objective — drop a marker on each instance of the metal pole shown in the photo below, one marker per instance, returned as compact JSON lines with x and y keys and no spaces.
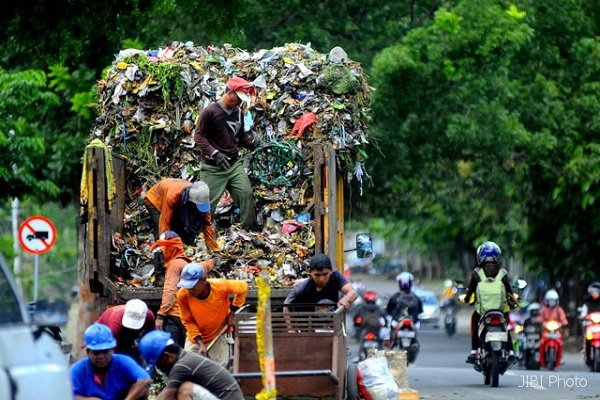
{"x":16,"y":247}
{"x":36,"y":269}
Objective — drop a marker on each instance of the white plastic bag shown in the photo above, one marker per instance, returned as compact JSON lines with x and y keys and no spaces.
{"x":377,"y":379}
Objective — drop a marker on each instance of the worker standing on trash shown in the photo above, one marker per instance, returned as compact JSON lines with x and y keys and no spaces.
{"x":207,"y":313}
{"x":184,"y":207}
{"x":219,"y":133}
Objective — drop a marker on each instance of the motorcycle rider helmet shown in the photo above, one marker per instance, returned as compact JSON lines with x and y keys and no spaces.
{"x":594,"y":290}
{"x":551,"y":298}
{"x":153,"y":345}
{"x":370,"y":297}
{"x":405,"y":280}
{"x":534,"y":309}
{"x":489,"y":252}
{"x":448,"y":283}
{"x":99,"y":337}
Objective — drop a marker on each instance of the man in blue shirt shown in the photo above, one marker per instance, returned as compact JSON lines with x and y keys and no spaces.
{"x":324,"y":283}
{"x":104,"y":375}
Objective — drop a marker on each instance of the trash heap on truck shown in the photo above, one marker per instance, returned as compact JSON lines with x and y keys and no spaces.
{"x":148,"y":104}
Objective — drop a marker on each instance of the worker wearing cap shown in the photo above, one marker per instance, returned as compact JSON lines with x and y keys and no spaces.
{"x":183,"y":207}
{"x":219,"y":134}
{"x":128,"y":323}
{"x":167,"y":316}
{"x":105,"y":375}
{"x":206,"y":311}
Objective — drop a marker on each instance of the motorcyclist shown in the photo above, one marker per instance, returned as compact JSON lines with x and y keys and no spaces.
{"x":372,"y":317}
{"x":489,"y":261}
{"x":552,"y":310}
{"x":592,"y":302}
{"x":405,"y":298}
{"x":590,"y":305}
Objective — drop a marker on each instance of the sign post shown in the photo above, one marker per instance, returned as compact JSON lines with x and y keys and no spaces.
{"x":37,"y":236}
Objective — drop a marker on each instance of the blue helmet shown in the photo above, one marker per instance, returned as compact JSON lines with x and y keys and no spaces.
{"x":99,"y":337}
{"x":405,"y":280}
{"x":153,"y":345}
{"x":489,"y":252}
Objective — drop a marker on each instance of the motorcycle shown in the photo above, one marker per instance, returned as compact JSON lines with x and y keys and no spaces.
{"x":450,"y":316}
{"x":517,"y":337}
{"x":592,"y":341}
{"x":368,"y":340}
{"x":404,"y":336}
{"x":492,"y":359}
{"x":551,"y":345}
{"x":531,"y":341}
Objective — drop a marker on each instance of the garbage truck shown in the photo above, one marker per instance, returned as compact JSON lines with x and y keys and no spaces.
{"x":148,"y":103}
{"x":102,"y":219}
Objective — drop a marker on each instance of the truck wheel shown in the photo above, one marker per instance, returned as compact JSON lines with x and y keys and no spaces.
{"x":352,"y":382}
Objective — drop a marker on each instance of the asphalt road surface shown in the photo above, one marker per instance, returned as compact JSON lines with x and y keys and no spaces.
{"x":440,"y":371}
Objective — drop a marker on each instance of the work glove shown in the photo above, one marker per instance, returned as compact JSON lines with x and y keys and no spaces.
{"x":221,"y":160}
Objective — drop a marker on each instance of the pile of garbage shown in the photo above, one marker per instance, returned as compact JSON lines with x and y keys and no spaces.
{"x":148,"y":105}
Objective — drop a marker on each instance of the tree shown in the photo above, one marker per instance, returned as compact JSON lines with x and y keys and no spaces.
{"x":492,"y":111}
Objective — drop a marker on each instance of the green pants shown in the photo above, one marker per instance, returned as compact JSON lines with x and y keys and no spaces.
{"x":236,"y":181}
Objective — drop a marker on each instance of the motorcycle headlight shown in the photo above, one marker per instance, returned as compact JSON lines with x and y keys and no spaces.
{"x":552,"y":325}
{"x":595,"y":317}
{"x":518,"y":328}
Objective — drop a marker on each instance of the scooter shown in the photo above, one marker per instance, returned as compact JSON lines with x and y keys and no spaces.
{"x":369,"y":340}
{"x":492,"y":358}
{"x":551,"y":345}
{"x":404,"y":336}
{"x":450,"y":317}
{"x":592,"y":341}
{"x":531,"y":341}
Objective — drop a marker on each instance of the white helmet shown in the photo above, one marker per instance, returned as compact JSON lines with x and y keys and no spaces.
{"x":551,"y":298}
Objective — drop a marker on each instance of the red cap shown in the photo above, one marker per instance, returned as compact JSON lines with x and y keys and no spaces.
{"x":242,"y":88}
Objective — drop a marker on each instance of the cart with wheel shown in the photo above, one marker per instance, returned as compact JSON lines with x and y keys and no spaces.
{"x":310,"y":355}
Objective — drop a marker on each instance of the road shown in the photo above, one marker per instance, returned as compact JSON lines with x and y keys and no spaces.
{"x":440,"y":371}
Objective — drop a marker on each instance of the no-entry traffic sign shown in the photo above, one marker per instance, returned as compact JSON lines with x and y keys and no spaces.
{"x":37,"y":234}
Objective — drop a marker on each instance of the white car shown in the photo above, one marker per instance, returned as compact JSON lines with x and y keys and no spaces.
{"x":431,"y":308}
{"x":31,"y":366}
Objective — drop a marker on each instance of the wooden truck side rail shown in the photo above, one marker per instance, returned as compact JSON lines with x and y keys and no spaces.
{"x":103,"y":216}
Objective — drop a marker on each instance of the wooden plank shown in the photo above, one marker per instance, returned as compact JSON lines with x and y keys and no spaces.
{"x":118,"y":209}
{"x":319,"y":209}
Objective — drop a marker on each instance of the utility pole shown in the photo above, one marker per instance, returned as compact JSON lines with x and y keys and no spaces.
{"x":17,"y":249}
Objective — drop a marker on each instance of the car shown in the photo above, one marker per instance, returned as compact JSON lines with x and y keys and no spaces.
{"x":431,"y":308}
{"x":32,"y":365}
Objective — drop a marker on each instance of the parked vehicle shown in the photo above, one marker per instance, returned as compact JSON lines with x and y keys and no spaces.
{"x":551,"y":346}
{"x":592,"y":341}
{"x":32,"y":365}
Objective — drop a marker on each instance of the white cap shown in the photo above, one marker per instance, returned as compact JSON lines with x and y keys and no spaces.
{"x":135,"y":314}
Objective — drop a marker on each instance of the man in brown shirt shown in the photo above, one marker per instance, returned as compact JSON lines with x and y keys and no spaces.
{"x":219,"y":134}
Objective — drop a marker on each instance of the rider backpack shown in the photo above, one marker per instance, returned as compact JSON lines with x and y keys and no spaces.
{"x":490,"y":293}
{"x":370,"y":320}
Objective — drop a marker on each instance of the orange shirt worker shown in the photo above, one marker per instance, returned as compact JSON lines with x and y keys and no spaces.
{"x":183,"y":207}
{"x":205,"y":310}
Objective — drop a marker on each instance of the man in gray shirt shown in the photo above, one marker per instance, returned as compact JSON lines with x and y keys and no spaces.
{"x":190,"y":375}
